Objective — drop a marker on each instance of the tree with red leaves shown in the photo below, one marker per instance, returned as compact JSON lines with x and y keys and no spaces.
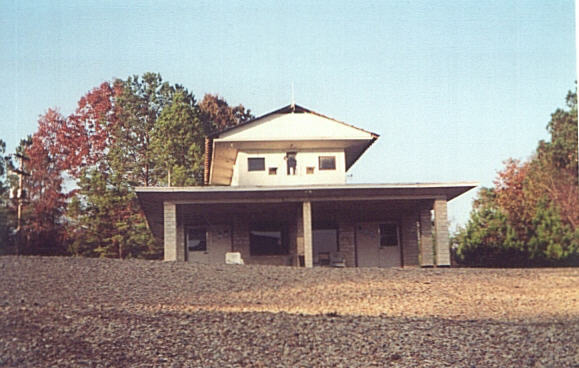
{"x":531,"y":216}
{"x":123,"y":134}
{"x":43,"y":223}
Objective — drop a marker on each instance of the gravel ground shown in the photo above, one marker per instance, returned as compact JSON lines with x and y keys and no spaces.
{"x":76,"y":312}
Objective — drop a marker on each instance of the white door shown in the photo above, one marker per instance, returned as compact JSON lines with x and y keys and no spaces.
{"x":378,"y":245}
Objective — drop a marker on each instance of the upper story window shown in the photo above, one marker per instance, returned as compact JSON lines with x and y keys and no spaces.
{"x":327,"y":162}
{"x":255,"y":164}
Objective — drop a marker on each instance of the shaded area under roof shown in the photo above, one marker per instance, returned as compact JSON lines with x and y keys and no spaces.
{"x":152,"y":198}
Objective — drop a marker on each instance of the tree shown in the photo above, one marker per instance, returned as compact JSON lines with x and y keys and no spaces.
{"x":139,"y":105}
{"x":178,"y":139}
{"x":106,"y":220}
{"x":217,"y":114}
{"x":123,"y":134}
{"x":43,"y":214}
{"x":84,"y":137}
{"x":6,"y":218}
{"x":531,"y":216}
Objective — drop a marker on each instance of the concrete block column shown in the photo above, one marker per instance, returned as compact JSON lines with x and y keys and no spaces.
{"x":308,"y":243}
{"x":410,"y":240}
{"x":300,"y":232}
{"x":441,"y":226}
{"x":174,"y":233}
{"x":170,"y":236}
{"x":426,"y":250}
{"x":346,"y":241}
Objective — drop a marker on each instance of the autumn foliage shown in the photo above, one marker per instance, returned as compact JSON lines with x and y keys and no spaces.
{"x":531,"y":215}
{"x":84,"y":167}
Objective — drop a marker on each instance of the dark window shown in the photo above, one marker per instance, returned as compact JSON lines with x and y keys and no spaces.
{"x":273,"y":171}
{"x":255,"y":164}
{"x":196,"y":239}
{"x":389,"y":235}
{"x":327,"y":163}
{"x":309,"y":170}
{"x":268,"y":239}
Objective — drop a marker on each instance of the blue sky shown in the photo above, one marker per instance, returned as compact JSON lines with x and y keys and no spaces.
{"x":453,"y":87}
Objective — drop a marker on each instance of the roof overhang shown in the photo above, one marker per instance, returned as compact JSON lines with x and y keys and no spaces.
{"x":291,"y":130}
{"x":152,"y":198}
{"x":225,"y":152}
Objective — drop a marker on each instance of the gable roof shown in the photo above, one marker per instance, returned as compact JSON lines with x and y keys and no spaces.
{"x":290,"y":126}
{"x":292,"y":108}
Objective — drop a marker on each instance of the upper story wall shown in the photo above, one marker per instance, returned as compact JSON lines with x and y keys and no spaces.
{"x":264,"y":168}
{"x":289,"y":129}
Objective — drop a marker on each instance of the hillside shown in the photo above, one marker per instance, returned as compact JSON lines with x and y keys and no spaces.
{"x":101,"y":312}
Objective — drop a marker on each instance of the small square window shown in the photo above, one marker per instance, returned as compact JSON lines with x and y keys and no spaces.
{"x":256,"y":164}
{"x":327,"y":163}
{"x":309,"y":170}
{"x":272,"y":171}
{"x":389,"y":235}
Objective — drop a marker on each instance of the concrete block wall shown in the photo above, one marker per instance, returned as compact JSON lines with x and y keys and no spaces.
{"x":347,"y":242}
{"x":240,"y":239}
{"x":409,"y":238}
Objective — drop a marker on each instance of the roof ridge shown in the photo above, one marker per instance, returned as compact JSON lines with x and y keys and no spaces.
{"x":291,"y":108}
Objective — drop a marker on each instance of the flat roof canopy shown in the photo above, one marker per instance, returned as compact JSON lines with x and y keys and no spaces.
{"x":152,"y":198}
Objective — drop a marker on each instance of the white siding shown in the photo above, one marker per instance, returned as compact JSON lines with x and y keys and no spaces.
{"x":301,"y":126}
{"x":241,"y":175}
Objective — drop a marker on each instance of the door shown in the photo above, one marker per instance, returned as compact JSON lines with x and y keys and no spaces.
{"x":208,"y":244}
{"x":325,"y":244}
{"x":378,"y":244}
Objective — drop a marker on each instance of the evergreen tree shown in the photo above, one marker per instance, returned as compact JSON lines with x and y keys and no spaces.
{"x":531,"y":216}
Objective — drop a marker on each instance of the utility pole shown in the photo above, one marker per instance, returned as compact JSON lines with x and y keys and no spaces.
{"x":21,"y":195}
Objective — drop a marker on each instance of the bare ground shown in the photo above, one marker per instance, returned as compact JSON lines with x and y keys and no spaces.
{"x":99,"y":313}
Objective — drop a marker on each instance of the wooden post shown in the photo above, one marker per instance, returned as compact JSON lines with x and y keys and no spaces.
{"x":308,"y":247}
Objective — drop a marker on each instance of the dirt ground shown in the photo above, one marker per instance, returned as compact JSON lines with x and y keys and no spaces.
{"x":82,"y":312}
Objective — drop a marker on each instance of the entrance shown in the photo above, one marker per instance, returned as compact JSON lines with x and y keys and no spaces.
{"x":325,"y":244}
{"x":378,"y":244}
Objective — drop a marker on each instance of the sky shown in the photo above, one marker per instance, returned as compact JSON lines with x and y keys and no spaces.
{"x":454,"y":88}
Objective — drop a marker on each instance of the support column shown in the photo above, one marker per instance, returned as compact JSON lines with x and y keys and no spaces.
{"x":441,"y":228}
{"x":170,"y":236}
{"x":308,"y":247}
{"x":426,"y":251}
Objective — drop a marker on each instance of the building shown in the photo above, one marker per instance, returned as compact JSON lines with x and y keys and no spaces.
{"x":276,"y":193}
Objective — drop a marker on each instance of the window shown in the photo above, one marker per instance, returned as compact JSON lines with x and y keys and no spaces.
{"x":273,"y":171}
{"x":196,"y":239}
{"x":389,"y":235}
{"x":309,"y":170}
{"x":327,"y":163}
{"x":255,"y":164}
{"x":268,"y":239}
